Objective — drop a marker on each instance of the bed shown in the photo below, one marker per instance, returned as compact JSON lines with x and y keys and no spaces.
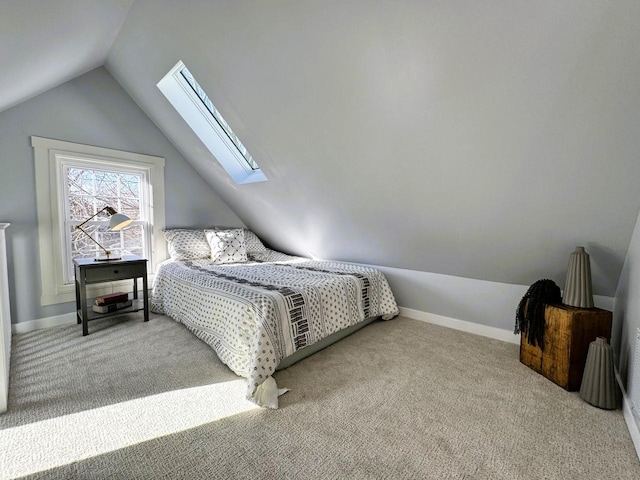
{"x":260,"y":309}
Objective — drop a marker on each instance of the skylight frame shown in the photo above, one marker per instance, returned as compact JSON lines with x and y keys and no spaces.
{"x":200,"y":114}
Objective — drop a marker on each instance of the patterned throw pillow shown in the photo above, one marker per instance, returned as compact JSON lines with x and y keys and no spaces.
{"x":253,"y":243}
{"x":185,"y":244}
{"x":227,"y":246}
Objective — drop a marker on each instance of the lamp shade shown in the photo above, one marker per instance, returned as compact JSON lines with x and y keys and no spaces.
{"x":118,"y":221}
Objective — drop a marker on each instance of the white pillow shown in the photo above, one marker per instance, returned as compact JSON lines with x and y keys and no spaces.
{"x":187,"y":244}
{"x":253,"y":243}
{"x":227,"y":246}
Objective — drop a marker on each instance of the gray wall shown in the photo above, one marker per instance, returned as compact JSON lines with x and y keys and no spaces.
{"x":486,"y":303}
{"x":92,"y":109}
{"x":463,"y":140}
{"x":483,"y":140}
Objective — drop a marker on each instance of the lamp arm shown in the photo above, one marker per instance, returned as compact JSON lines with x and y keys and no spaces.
{"x":109,"y":210}
{"x":107,"y":252}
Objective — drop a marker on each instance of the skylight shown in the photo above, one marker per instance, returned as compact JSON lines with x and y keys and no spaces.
{"x":196,"y":108}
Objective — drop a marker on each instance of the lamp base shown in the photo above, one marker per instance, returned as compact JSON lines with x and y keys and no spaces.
{"x":106,"y":259}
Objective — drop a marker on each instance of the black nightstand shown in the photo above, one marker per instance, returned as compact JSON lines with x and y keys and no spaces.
{"x":89,"y":271}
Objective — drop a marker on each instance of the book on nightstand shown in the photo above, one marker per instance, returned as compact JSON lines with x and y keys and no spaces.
{"x":115,"y":297}
{"x":111,"y":307}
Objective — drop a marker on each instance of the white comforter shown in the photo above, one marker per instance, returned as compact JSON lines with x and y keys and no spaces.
{"x":254,"y":314}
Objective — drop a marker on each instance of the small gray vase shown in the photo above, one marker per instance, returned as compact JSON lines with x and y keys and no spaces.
{"x":577,"y":288}
{"x":598,"y":381}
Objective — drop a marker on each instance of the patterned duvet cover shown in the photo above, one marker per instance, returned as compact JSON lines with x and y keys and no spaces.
{"x":254,"y":314}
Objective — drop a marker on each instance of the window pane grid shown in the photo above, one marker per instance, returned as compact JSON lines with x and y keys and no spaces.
{"x":88,"y":191}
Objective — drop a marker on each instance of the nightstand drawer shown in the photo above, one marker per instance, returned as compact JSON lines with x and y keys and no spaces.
{"x":109,"y":273}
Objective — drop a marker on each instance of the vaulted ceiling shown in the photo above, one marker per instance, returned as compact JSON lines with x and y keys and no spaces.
{"x":44,"y":43}
{"x":477,"y":139}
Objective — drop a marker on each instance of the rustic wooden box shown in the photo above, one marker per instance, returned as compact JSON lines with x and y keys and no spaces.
{"x":568,"y":331}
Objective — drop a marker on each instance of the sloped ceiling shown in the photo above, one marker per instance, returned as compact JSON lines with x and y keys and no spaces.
{"x":44,"y":43}
{"x":477,"y":139}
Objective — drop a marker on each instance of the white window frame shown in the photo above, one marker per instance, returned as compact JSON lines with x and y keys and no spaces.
{"x":191,"y":108}
{"x":49,"y":155}
{"x":62,"y":162}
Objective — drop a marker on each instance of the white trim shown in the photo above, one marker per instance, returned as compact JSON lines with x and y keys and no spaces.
{"x":63,"y":319}
{"x":5,"y":322}
{"x":627,"y":412}
{"x":483,"y":330}
{"x":470,"y":327}
{"x":48,"y":322}
{"x":62,"y":163}
{"x":46,"y":154}
{"x":190,"y":107}
{"x":632,"y":425}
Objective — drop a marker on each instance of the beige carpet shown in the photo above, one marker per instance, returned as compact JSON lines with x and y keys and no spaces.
{"x":398,"y":399}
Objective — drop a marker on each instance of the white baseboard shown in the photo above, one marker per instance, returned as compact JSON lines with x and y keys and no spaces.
{"x":470,"y":327}
{"x":55,"y":321}
{"x":30,"y":326}
{"x":632,"y":422}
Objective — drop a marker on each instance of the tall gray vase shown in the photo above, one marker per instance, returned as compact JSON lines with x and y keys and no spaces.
{"x":598,"y":381}
{"x":577,"y":288}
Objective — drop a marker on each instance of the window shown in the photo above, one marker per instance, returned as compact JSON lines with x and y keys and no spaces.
{"x":194,"y":105}
{"x":87,"y":189}
{"x":73,"y":182}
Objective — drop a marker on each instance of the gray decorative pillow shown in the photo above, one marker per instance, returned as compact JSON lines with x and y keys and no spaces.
{"x":253,"y":243}
{"x":187,"y":244}
{"x":227,"y":246}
